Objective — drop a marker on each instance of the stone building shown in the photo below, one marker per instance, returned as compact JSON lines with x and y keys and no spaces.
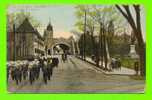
{"x":10,"y":45}
{"x":48,"y":39}
{"x":28,"y":42}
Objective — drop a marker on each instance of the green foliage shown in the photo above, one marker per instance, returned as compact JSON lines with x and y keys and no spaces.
{"x":127,"y":62}
{"x":87,"y":44}
{"x":120,"y":45}
{"x":80,"y":26}
{"x":106,"y":18}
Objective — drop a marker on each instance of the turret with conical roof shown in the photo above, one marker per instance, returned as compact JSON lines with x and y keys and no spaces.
{"x":49,"y":27}
{"x":48,"y":37}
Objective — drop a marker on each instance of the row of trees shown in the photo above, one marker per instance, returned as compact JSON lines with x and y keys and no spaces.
{"x":101,"y":27}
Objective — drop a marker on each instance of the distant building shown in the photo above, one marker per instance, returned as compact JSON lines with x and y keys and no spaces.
{"x":28,"y":42}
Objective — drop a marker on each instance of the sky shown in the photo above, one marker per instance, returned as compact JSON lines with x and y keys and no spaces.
{"x":62,"y":17}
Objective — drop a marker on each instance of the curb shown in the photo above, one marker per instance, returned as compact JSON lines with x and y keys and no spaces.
{"x":101,"y":70}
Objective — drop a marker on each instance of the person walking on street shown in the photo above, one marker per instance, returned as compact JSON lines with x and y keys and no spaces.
{"x":136,"y":67}
{"x":31,"y":73}
{"x":45,"y":72}
{"x":25,"y":70}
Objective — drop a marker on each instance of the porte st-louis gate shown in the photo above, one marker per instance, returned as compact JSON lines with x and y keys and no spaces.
{"x":50,"y":43}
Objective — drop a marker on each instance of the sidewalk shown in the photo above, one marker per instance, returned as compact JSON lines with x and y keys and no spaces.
{"x":123,"y":71}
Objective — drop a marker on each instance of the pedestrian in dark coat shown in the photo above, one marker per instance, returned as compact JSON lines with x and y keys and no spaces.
{"x":119,"y":64}
{"x":136,"y":67}
{"x":63,"y":57}
{"x":31,"y":73}
{"x":25,"y":71}
{"x":55,"y":62}
{"x":12,"y":72}
{"x":45,"y":72}
{"x":36,"y":69}
{"x":18,"y":74}
{"x":50,"y":69}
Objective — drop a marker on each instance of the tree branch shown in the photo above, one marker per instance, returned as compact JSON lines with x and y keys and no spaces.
{"x":122,"y":12}
{"x":137,"y":10}
{"x":130,"y":18}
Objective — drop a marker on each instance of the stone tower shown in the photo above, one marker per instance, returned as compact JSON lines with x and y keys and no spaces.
{"x":48,"y":39}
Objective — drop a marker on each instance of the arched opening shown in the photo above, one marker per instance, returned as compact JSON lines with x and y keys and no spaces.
{"x":49,"y":52}
{"x":61,"y":48}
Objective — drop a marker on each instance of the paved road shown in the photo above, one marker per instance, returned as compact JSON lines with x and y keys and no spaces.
{"x":75,"y":76}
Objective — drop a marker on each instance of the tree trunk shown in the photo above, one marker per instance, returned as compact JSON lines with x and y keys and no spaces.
{"x":93,"y":44}
{"x":101,"y":44}
{"x":105,"y":53}
{"x":97,"y":55}
{"x":142,"y":59}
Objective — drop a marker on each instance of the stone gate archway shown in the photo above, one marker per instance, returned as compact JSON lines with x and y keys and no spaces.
{"x":59,"y":48}
{"x":61,"y":41}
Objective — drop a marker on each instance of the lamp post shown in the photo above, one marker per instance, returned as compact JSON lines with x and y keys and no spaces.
{"x":14,"y":32}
